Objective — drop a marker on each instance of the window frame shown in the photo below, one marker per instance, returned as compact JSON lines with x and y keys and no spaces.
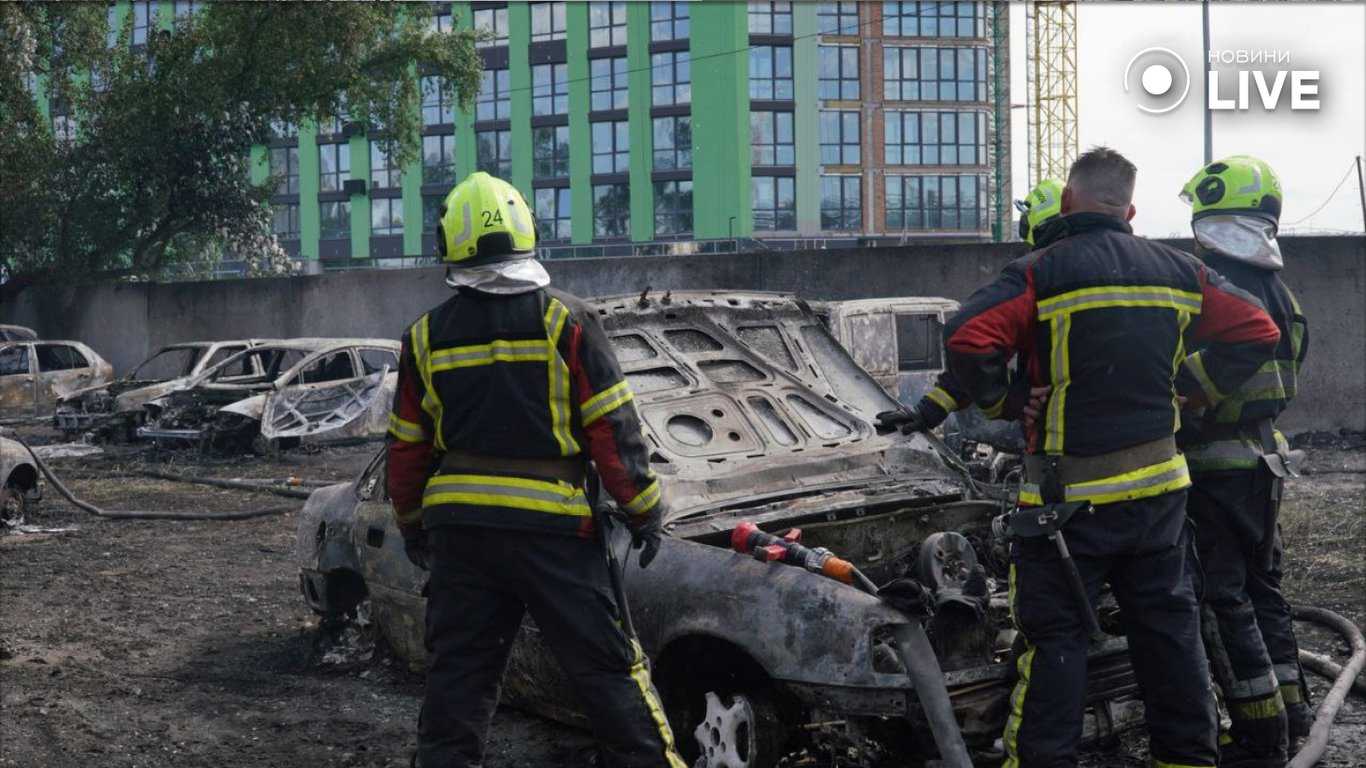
{"x":667,"y":23}
{"x":843,"y":147}
{"x":933,"y":219}
{"x":766,"y":15}
{"x":931,"y":88}
{"x":501,"y":163}
{"x":782,"y":153}
{"x":291,"y":211}
{"x":342,"y":232}
{"x":498,"y":25}
{"x":496,"y":98}
{"x":918,"y":18}
{"x":617,"y":152}
{"x":677,"y":157}
{"x":838,"y":11}
{"x":336,"y":152}
{"x":679,"y":90}
{"x":445,"y":143}
{"x":387,"y":205}
{"x":554,"y":14}
{"x":555,"y":164}
{"x":559,"y":218}
{"x":621,"y":215}
{"x":617,"y":79}
{"x":779,"y":87}
{"x":778,"y":213}
{"x":290,"y":178}
{"x":554,"y":93}
{"x":846,"y":216}
{"x":384,"y":174}
{"x":435,"y":96}
{"x":669,"y":208}
{"x":840,"y":83}
{"x":611,"y":7}
{"x":901,"y":122}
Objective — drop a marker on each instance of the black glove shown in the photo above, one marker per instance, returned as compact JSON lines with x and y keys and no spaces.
{"x":908,"y":420}
{"x":415,"y":547}
{"x":908,"y":596}
{"x":647,"y":537}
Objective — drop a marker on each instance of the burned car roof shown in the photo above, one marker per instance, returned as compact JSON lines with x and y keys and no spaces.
{"x":747,"y":398}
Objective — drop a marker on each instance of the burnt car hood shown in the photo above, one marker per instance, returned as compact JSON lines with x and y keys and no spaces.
{"x":746,"y":399}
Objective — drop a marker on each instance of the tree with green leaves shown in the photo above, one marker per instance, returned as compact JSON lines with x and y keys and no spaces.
{"x":156,"y":173}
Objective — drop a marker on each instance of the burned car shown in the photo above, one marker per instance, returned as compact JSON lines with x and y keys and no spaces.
{"x":34,"y":375}
{"x":279,"y":394}
{"x":114,"y":411}
{"x":17,"y":333}
{"x":754,"y":412}
{"x":19,"y":489}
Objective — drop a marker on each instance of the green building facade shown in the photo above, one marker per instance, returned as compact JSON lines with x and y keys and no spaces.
{"x":649,"y":126}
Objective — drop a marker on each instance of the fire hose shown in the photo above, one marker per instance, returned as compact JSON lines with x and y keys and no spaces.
{"x":1317,"y":742}
{"x":917,"y":656}
{"x":115,"y":514}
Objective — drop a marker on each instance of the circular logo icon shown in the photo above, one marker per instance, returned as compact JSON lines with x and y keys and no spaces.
{"x":1163,"y":78}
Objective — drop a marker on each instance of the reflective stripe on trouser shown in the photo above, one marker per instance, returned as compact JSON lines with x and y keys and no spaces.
{"x":1227,"y":539}
{"x":506,"y":502}
{"x":1231,"y":454}
{"x":1142,"y":548}
{"x":1152,"y":480}
{"x":482,"y":582}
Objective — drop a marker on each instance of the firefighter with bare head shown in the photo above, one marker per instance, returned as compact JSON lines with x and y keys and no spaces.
{"x":506,"y":392}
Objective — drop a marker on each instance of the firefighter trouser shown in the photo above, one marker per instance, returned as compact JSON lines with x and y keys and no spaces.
{"x":482,"y":582}
{"x":1248,"y":630}
{"x":1143,"y":548}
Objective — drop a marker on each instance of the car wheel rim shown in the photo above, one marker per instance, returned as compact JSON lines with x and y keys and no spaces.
{"x":726,"y":735}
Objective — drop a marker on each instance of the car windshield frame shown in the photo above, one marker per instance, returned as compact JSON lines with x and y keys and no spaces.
{"x":211,"y":376}
{"x":199,"y":349}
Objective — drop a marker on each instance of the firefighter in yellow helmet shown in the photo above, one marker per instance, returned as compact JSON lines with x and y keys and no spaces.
{"x":1040,"y":214}
{"x":1231,"y":446}
{"x":505,"y":392}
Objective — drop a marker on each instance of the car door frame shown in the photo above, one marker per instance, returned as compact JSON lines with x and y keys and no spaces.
{"x":31,"y":378}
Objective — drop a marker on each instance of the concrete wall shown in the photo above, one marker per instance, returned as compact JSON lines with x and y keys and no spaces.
{"x":125,"y":322}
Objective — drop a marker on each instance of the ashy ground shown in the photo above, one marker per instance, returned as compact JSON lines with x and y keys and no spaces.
{"x":150,"y":644}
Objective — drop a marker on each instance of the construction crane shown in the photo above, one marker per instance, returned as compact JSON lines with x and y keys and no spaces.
{"x":1051,"y":71}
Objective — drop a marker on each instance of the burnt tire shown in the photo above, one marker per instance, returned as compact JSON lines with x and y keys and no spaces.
{"x":14,"y":506}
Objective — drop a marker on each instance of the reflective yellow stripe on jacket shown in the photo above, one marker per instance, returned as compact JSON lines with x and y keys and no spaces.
{"x":1235,"y":453}
{"x":1152,"y":480}
{"x":556,"y":498}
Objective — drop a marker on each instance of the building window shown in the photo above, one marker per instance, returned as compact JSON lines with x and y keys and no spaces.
{"x":184,"y":9}
{"x":611,"y":210}
{"x":842,"y":203}
{"x":771,"y":139}
{"x":550,"y":151}
{"x":774,"y":202}
{"x":673,"y":207}
{"x":284,"y":165}
{"x":493,"y":150}
{"x":144,"y":19}
{"x":284,"y":221}
{"x":670,"y":78}
{"x":936,"y":138}
{"x":668,"y":21}
{"x":770,"y":72}
{"x":334,"y":166}
{"x":840,"y":138}
{"x":493,"y":21}
{"x":612,"y":147}
{"x":934,"y":74}
{"x":606,"y":24}
{"x":609,"y":83}
{"x":839,"y":72}
{"x":935,"y":202}
{"x":673,"y":142}
{"x":933,"y":19}
{"x":493,"y":102}
{"x":335,"y":220}
{"x":547,"y":21}
{"x":283,"y":130}
{"x":770,"y":18}
{"x":438,"y":159}
{"x":386,"y":216}
{"x":440,"y":20}
{"x":436,"y":101}
{"x":431,"y":212}
{"x":550,"y":89}
{"x":838,"y":18}
{"x":552,"y":213}
{"x":383,"y":172}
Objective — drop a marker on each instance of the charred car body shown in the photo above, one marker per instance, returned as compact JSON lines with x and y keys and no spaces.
{"x":115,"y":410}
{"x":753,"y":411}
{"x":278,"y":394}
{"x":19,"y":489}
{"x":34,"y":375}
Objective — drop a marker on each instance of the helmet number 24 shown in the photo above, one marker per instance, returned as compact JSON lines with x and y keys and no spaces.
{"x":492,"y":217}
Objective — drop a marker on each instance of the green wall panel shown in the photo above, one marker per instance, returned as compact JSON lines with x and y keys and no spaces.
{"x":309,"y":215}
{"x":720,"y":120}
{"x":580,"y":140}
{"x":360,"y":203}
{"x":806,"y":121}
{"x":642,"y":140}
{"x":519,"y":79}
